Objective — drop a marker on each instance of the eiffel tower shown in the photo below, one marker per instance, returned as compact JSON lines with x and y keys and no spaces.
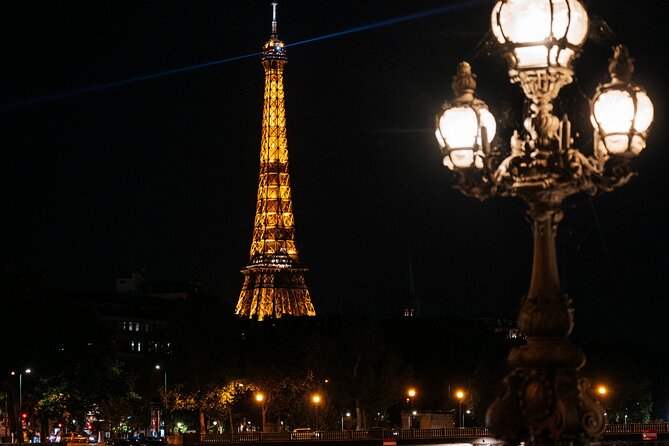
{"x":274,"y":283}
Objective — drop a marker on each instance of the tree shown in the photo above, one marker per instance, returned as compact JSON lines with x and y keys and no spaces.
{"x":363,"y":371}
{"x":625,"y":369}
{"x":204,"y":364}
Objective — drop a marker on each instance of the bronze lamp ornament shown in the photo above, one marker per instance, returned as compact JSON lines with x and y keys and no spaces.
{"x":544,"y":400}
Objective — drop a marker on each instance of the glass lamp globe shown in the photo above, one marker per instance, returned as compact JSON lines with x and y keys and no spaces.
{"x":540,"y":33}
{"x":460,"y":131}
{"x":465,"y":126}
{"x":621,"y":112}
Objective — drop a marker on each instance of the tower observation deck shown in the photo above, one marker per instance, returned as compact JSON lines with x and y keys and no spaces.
{"x":274,"y":283}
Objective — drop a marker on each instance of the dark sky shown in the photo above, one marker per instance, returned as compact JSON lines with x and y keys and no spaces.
{"x":130,"y":139}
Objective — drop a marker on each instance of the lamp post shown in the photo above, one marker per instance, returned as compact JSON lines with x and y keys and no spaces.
{"x":602,"y":390}
{"x":316,"y":399}
{"x":411,"y":393}
{"x":544,"y":399}
{"x":158,"y":367}
{"x":162,"y":418}
{"x":261,"y":399}
{"x":348,"y":415}
{"x":20,"y":417}
{"x":460,"y":395}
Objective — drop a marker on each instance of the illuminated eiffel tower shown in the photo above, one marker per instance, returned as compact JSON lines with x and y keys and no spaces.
{"x":274,"y":283}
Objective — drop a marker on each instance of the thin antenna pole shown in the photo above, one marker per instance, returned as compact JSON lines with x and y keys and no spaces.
{"x":274,"y":17}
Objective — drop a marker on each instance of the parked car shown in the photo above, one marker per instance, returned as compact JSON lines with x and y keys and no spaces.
{"x":121,"y":442}
{"x":151,"y":441}
{"x":303,"y":433}
{"x":77,"y":437}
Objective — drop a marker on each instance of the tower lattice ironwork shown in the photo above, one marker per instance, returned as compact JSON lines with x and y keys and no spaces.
{"x":274,"y":283}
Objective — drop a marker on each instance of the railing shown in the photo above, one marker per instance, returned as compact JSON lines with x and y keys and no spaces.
{"x":243,"y":437}
{"x":401,"y":434}
{"x":635,"y":428}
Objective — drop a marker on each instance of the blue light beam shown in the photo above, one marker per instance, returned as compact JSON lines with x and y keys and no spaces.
{"x":406,"y":18}
{"x":124,"y":82}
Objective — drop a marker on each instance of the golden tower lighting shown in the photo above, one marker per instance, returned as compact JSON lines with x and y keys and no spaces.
{"x":274,"y":283}
{"x":544,"y":401}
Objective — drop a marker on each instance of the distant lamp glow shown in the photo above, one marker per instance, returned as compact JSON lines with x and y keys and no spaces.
{"x":260,"y":397}
{"x":316,"y":398}
{"x":602,"y":391}
{"x":621,"y":112}
{"x":465,"y":127}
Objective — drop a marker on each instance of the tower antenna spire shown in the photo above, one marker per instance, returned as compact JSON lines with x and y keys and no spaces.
{"x":274,"y":4}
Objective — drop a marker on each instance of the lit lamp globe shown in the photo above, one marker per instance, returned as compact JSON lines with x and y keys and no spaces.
{"x":465,"y":127}
{"x":540,"y":39}
{"x":540,"y":33}
{"x":621,"y":112}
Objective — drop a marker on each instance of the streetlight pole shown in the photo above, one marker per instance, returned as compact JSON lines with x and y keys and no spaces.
{"x":544,"y":400}
{"x":261,"y":399}
{"x":602,"y":393}
{"x":20,"y":417}
{"x":316,"y":399}
{"x":460,"y":395}
{"x":412,"y":393}
{"x":348,"y":414}
{"x":162,"y":418}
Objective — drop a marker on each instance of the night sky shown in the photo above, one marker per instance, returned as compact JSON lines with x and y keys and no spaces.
{"x":130,"y":139}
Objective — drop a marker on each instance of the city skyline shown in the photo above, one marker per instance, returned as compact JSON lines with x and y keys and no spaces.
{"x":131,"y":141}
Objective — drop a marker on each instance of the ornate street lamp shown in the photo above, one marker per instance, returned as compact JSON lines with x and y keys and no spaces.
{"x":544,"y":399}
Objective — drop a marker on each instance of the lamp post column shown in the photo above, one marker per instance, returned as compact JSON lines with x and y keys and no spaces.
{"x":460,"y":412}
{"x":460,"y":395}
{"x":412,"y":394}
{"x":261,"y":399}
{"x":20,"y":417}
{"x":161,"y":417}
{"x":19,"y":427}
{"x":544,"y":393}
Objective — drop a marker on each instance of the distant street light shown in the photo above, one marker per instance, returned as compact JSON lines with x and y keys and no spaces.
{"x":20,"y":418}
{"x":412,"y":393}
{"x":348,"y":415}
{"x":261,"y":399}
{"x":158,"y":367}
{"x":602,"y":390}
{"x":164,"y":431}
{"x":316,"y":399}
{"x":460,"y":395}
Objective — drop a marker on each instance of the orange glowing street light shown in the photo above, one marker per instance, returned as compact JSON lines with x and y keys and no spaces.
{"x":602,"y":391}
{"x":261,"y":399}
{"x":412,"y":393}
{"x":460,"y":394}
